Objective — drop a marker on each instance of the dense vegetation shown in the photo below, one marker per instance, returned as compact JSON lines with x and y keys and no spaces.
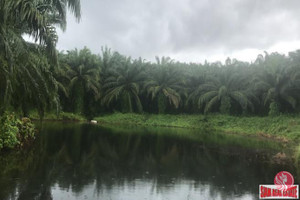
{"x":15,"y":132}
{"x":94,"y":84}
{"x":35,"y":77}
{"x":26,"y":69}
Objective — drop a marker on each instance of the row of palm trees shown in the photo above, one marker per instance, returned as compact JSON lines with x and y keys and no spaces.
{"x":112,"y":82}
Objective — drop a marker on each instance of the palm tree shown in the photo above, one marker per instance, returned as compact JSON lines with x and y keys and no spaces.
{"x":278,"y":88}
{"x":124,"y":84}
{"x":35,"y":85}
{"x":61,"y":75}
{"x":222,"y":90}
{"x":23,"y":65}
{"x":5,"y":84}
{"x":83,"y":72}
{"x":194,"y":90}
{"x":35,"y":18}
{"x":195,"y":76}
{"x":165,"y":85}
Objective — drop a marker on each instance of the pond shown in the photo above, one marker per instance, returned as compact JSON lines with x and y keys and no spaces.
{"x":84,"y":161}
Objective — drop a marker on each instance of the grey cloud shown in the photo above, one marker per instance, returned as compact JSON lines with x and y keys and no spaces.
{"x":160,"y":27}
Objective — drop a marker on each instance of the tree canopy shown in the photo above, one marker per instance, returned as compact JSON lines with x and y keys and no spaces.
{"x":35,"y":76}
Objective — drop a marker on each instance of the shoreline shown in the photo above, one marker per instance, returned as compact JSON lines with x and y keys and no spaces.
{"x":282,"y":128}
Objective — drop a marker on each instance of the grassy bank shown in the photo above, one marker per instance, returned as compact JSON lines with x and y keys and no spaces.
{"x":284,"y":127}
{"x":63,"y":116}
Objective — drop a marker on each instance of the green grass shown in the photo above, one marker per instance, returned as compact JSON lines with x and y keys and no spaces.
{"x":63,"y":116}
{"x":286,"y":127}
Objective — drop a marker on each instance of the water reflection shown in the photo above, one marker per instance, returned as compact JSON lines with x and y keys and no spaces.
{"x":81,"y":161}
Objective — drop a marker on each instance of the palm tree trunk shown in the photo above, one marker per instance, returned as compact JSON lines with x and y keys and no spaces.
{"x":79,"y":98}
{"x":162,"y":104}
{"x":25,"y":109}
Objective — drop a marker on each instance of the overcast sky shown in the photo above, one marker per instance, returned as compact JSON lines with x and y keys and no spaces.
{"x":186,"y":30}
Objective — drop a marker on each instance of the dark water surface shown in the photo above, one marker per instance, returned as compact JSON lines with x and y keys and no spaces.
{"x":82,"y":161}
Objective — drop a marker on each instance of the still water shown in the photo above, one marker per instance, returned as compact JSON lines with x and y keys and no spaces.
{"x":83,"y":161}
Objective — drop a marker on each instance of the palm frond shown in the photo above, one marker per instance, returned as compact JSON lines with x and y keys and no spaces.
{"x":210,"y":104}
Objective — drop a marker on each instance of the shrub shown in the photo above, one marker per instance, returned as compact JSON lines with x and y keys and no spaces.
{"x":274,"y":109}
{"x":14,"y":132}
{"x":26,"y":131}
{"x":9,"y":131}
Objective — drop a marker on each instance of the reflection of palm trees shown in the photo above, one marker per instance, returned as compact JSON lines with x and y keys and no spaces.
{"x":74,"y":156}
